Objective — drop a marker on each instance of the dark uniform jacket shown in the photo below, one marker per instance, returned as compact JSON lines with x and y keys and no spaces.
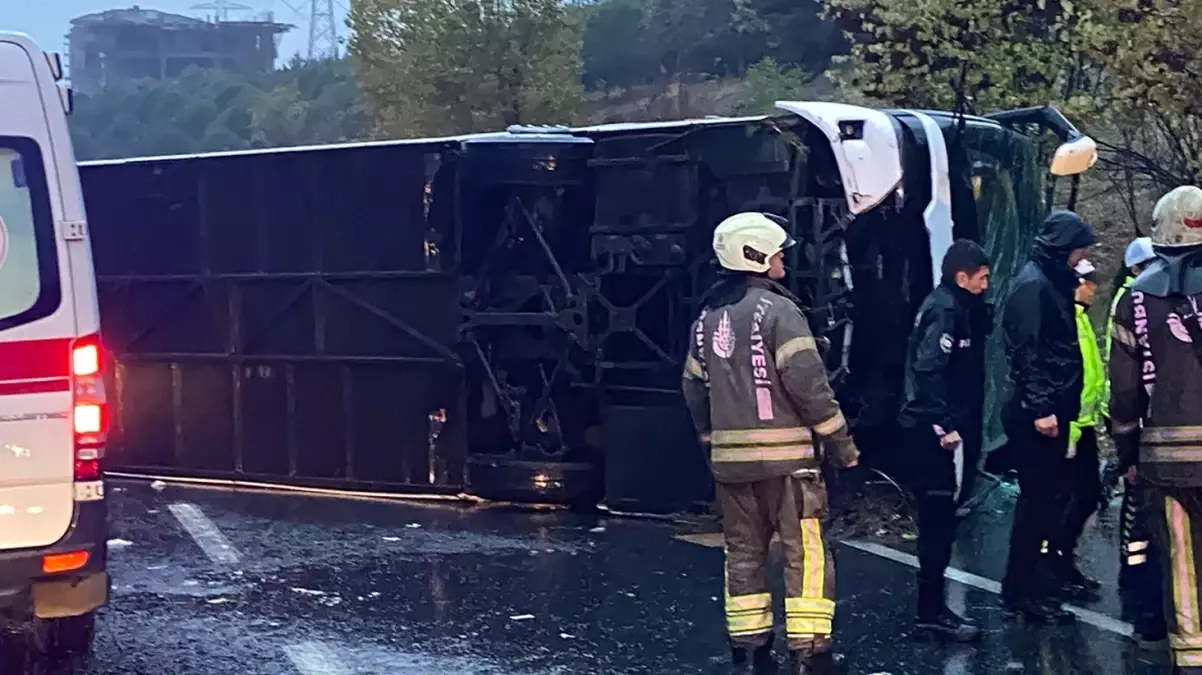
{"x":1156,"y":373}
{"x":1040,"y":327}
{"x":756,"y":385}
{"x":945,"y":377}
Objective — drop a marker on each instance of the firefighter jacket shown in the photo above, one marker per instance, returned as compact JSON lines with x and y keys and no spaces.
{"x":945,"y":377}
{"x":1156,"y":372}
{"x":1093,"y":384}
{"x":755,"y":384}
{"x":1039,"y":328}
{"x":1106,"y":346}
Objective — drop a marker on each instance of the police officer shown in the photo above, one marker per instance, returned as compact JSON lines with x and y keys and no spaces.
{"x":1139,"y":572}
{"x":942,"y":381}
{"x":1156,"y":407}
{"x":757,"y":390}
{"x":1083,"y":477}
{"x":1045,"y":366}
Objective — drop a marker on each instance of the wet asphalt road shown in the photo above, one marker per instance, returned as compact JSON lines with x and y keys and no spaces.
{"x":214,"y":582}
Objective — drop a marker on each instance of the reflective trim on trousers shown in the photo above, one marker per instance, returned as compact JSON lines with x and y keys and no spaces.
{"x":812,"y":613}
{"x":1179,"y":434}
{"x":1187,"y":657}
{"x":1169,"y":454}
{"x":762,"y":453}
{"x":748,"y":614}
{"x":1184,"y":575}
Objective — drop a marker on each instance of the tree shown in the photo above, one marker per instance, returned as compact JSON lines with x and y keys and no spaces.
{"x":768,"y":82}
{"x":440,"y":67}
{"x":618,"y":50}
{"x":983,"y":53}
{"x":1153,"y":57}
{"x":213,"y":110}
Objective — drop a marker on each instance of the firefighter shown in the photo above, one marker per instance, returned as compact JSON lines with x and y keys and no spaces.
{"x":1156,"y":407}
{"x":942,"y":382}
{"x":758,"y":393}
{"x":1084,"y":480}
{"x":1139,"y":571}
{"x":1045,"y":367}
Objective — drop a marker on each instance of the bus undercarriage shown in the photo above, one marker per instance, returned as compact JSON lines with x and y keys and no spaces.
{"x":505,"y":314}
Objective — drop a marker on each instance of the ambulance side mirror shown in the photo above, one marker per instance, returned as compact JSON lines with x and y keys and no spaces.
{"x":1074,"y":157}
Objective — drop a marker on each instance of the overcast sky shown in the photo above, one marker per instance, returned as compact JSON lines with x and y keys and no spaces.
{"x":48,"y":21}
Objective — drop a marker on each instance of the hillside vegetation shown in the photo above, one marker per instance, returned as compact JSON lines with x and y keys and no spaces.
{"x":1125,"y":72}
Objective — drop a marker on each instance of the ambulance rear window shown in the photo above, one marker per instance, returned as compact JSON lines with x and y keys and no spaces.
{"x":29,"y":283}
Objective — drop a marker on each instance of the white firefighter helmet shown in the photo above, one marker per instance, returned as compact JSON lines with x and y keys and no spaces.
{"x":746,"y":241}
{"x":1177,"y":218}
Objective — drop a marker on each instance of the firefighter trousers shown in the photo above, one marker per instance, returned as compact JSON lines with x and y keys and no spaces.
{"x":1140,"y":579}
{"x":791,"y":507}
{"x":1175,"y":514}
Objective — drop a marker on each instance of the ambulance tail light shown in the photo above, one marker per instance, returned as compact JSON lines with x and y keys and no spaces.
{"x":89,"y":415}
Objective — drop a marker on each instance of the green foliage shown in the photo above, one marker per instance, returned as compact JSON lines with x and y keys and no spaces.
{"x":210,"y":110}
{"x":983,"y":53}
{"x":634,"y":42}
{"x":768,"y":82}
{"x":438,"y":67}
{"x":618,"y":49}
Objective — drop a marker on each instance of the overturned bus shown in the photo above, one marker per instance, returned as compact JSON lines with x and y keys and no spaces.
{"x":505,"y":315}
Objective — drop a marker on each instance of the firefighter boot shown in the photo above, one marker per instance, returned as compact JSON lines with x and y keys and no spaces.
{"x":761,"y":661}
{"x":822,"y":663}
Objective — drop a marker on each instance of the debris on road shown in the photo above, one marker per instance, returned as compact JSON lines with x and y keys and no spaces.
{"x":413,"y":526}
{"x":521,"y":617}
{"x":306,"y":591}
{"x":119,"y":543}
{"x":158,"y":486}
{"x":392,"y":539}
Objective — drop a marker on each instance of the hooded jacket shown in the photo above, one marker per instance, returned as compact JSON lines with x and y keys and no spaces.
{"x":1039,"y":326}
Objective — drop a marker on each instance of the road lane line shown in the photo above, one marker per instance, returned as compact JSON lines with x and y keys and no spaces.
{"x":1095,"y":619}
{"x":314,"y":658}
{"x":204,"y":533}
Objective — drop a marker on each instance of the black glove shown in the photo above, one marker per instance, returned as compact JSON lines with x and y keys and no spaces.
{"x":852,"y":479}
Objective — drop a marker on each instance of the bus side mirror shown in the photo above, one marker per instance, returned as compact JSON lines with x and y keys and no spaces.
{"x":1074,"y":157}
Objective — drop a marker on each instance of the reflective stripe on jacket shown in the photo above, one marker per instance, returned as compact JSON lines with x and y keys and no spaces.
{"x":1094,"y":384}
{"x":1156,"y":389}
{"x":1106,"y":345}
{"x":757,"y":390}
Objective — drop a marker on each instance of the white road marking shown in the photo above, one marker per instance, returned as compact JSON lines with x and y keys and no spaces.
{"x":314,"y":658}
{"x":1088,"y":616}
{"x":205,"y":533}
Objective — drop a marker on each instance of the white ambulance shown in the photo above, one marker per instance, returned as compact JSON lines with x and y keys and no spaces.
{"x":53,"y":416}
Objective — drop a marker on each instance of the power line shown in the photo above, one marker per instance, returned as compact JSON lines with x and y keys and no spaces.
{"x":221,"y":8}
{"x":323,"y":26}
